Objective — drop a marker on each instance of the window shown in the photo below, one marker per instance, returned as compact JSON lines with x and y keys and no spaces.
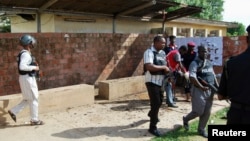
{"x":169,"y":31}
{"x":199,"y":32}
{"x":213,"y":33}
{"x":183,"y":32}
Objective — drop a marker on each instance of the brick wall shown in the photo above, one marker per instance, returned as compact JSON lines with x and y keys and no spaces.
{"x":231,"y":46}
{"x":85,"y":58}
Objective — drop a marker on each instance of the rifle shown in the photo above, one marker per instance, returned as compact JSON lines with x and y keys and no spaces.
{"x":37,"y":74}
{"x":203,"y":82}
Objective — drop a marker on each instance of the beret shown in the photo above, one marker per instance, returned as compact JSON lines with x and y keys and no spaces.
{"x":191,"y":44}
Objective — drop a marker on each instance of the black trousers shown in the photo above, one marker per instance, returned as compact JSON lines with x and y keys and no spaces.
{"x":237,"y":115}
{"x":156,"y":97}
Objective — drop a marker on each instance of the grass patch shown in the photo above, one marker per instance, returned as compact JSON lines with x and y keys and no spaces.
{"x":180,"y":134}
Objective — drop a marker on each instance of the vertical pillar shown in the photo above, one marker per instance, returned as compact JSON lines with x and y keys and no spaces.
{"x":206,"y":32}
{"x":163,"y":28}
{"x":38,"y":15}
{"x":114,"y":24}
{"x":220,"y":33}
{"x":191,"y":32}
{"x":174,"y":31}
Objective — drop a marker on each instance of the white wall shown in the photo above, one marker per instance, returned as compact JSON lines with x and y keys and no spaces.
{"x":99,"y":26}
{"x":54,"y":23}
{"x":18,"y":24}
{"x":103,"y":25}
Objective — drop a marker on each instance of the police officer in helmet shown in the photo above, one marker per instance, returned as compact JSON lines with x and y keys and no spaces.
{"x":27,"y":81}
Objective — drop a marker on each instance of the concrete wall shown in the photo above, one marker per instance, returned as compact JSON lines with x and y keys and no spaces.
{"x":56,"y":23}
{"x":115,"y":88}
{"x":101,"y":25}
{"x":50,"y":100}
{"x":19,"y":25}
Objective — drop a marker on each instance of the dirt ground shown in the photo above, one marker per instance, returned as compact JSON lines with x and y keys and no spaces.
{"x":124,"y":119}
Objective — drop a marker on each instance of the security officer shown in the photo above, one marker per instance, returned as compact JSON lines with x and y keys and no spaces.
{"x":155,"y":66}
{"x":234,"y":85}
{"x":27,"y":81}
{"x":202,"y":95}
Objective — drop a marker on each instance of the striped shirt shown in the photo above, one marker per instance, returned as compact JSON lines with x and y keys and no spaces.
{"x":148,"y":57}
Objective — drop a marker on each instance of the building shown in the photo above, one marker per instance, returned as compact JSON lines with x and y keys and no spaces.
{"x":193,"y":27}
{"x":113,"y":16}
{"x":183,"y":27}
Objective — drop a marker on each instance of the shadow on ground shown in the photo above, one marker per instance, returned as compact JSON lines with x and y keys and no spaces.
{"x":116,"y":131}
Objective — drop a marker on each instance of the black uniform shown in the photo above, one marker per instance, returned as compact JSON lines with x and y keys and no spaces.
{"x":234,"y":84}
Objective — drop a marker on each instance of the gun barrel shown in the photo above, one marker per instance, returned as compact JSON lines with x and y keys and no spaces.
{"x":207,"y":84}
{"x":213,"y":87}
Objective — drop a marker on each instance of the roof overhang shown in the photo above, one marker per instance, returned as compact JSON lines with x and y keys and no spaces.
{"x":137,"y":9}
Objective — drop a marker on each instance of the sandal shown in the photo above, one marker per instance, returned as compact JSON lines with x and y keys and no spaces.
{"x":39,"y":122}
{"x":13,"y":116}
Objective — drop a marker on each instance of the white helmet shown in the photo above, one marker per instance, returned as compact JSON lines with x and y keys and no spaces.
{"x":27,"y":39}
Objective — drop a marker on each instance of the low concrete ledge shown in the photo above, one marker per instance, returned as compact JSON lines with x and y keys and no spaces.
{"x":115,"y":88}
{"x":50,"y":100}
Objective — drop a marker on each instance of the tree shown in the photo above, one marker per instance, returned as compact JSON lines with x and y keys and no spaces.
{"x":238,"y":31}
{"x":212,"y":9}
{"x":4,"y":24}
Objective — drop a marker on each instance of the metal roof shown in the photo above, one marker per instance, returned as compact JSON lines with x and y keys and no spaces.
{"x":113,"y":8}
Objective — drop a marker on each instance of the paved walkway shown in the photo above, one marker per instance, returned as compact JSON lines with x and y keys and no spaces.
{"x":124,"y":119}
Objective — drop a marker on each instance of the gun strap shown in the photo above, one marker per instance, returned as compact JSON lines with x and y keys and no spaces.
{"x":199,"y":68}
